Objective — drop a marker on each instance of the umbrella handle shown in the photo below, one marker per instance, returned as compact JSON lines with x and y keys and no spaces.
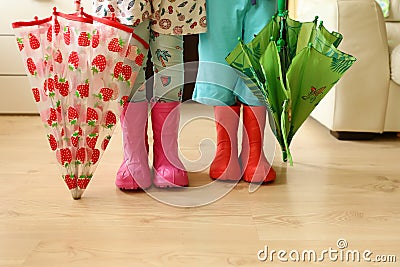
{"x":77,"y":5}
{"x":281,"y":7}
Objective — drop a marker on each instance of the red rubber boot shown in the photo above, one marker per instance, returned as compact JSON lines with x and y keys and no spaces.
{"x":256,"y":167}
{"x":225,"y":165}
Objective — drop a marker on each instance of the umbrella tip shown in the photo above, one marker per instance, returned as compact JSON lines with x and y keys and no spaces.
{"x":36,"y":18}
{"x":76,"y":193}
{"x":54,"y":9}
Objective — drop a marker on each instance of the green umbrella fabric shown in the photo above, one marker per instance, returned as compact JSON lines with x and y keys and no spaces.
{"x":290,"y":66}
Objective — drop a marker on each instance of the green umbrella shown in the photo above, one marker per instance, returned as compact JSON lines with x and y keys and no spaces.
{"x":290,"y":66}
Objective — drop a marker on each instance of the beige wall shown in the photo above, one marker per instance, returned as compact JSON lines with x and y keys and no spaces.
{"x":292,"y":8}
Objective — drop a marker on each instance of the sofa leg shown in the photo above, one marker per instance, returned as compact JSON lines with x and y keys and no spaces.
{"x":353,"y":135}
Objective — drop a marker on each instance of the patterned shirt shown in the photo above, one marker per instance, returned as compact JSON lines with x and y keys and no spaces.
{"x":177,"y":17}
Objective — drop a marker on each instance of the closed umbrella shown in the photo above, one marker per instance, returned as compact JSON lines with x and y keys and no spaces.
{"x":290,"y":66}
{"x":75,"y":65}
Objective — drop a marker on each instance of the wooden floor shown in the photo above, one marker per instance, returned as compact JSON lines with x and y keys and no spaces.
{"x":335,"y":190}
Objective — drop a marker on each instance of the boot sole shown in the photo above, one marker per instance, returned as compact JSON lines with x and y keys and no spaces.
{"x":170,"y":186}
{"x":225,"y":177}
{"x":268,"y":181}
{"x":166,"y":184}
{"x":127,"y":188}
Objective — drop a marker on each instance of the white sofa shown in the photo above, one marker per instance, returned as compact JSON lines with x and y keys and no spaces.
{"x":366,"y":101}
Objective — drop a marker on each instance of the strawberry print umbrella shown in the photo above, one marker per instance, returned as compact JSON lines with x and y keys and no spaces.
{"x":75,"y":65}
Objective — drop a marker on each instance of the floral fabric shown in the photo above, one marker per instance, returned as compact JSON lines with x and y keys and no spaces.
{"x":177,"y":17}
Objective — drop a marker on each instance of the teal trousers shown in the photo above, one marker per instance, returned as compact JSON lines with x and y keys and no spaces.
{"x":227,"y":20}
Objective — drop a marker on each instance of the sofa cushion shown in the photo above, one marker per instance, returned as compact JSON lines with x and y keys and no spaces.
{"x":394,"y":11}
{"x":393,"y":34}
{"x":395,"y":64}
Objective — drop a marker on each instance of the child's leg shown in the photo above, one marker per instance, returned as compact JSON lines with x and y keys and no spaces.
{"x":256,"y":18}
{"x":225,"y":165}
{"x":256,"y":167}
{"x":134,"y":171}
{"x":167,"y":57}
{"x":138,"y":90}
{"x":215,"y":79}
{"x":228,"y":20}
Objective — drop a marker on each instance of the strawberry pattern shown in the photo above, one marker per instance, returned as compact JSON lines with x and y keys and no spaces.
{"x":73,"y":60}
{"x":176,"y":17}
{"x":71,"y":68}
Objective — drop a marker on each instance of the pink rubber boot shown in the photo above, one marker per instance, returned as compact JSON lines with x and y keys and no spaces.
{"x":134,"y":172}
{"x":256,"y":167}
{"x":225,"y":165}
{"x":168,"y":168}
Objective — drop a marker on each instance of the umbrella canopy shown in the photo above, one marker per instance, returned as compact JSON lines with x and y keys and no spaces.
{"x":290,"y":66}
{"x":75,"y":65}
